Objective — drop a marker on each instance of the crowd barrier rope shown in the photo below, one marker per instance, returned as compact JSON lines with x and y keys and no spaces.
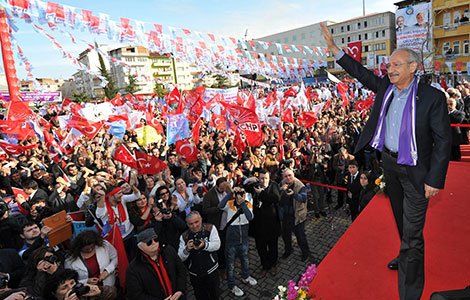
{"x":325,"y":185}
{"x":460,"y":125}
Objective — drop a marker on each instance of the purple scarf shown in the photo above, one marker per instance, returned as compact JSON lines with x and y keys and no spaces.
{"x":407,"y":148}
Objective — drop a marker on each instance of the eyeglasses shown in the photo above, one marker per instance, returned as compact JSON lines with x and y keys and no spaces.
{"x":164,"y":193}
{"x":396,"y":65}
{"x":150,"y":242}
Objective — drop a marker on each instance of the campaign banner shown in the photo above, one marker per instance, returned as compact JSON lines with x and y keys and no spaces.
{"x":36,"y":97}
{"x":414,"y":28}
{"x":230,"y":94}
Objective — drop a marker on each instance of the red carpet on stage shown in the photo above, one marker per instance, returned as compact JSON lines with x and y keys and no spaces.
{"x":356,"y":267}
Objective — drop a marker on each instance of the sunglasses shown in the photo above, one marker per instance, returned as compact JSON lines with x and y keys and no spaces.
{"x":164,"y":193}
{"x":150,"y":242}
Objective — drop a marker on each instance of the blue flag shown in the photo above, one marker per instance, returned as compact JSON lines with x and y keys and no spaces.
{"x":177,"y":129}
{"x":118,"y":129}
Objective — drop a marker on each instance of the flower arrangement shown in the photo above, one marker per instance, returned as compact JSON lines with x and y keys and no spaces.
{"x":297,"y":291}
{"x":380,"y":182}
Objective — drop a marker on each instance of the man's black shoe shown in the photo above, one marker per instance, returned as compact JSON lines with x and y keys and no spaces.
{"x":286,"y":254}
{"x":393,"y":265}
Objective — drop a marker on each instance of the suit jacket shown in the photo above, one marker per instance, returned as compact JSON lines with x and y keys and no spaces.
{"x":210,"y":208}
{"x":433,"y":136}
{"x":456,"y":117}
{"x":354,"y":187}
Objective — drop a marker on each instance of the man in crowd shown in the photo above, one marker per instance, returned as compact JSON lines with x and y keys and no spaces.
{"x":293,"y":210}
{"x":156,"y":272}
{"x":409,"y":123}
{"x":266,"y":224}
{"x":353,"y":189}
{"x":239,"y":213}
{"x":198,"y":246}
{"x":34,"y":238}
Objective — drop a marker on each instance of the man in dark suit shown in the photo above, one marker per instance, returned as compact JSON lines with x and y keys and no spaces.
{"x":456,"y":117}
{"x":409,"y":123}
{"x":353,"y":189}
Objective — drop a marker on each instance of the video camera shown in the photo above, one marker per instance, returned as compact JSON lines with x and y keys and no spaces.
{"x":197,"y":239}
{"x":80,"y":289}
{"x":4,"y":278}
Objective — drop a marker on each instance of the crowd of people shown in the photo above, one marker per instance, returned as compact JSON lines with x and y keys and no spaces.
{"x":149,"y":233}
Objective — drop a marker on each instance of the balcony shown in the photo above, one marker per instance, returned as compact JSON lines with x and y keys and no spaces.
{"x":451,"y":30}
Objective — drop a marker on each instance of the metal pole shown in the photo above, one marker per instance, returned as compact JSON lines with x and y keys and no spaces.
{"x":363,"y":7}
{"x":8,"y":60}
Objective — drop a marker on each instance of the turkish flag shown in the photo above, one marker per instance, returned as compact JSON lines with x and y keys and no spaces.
{"x":195,"y":131}
{"x":173,"y":97}
{"x":117,"y":100}
{"x":10,"y":127}
{"x":13,"y":149}
{"x":281,"y":142}
{"x":251,"y":103}
{"x":147,"y":164}
{"x":363,"y":105}
{"x":239,"y":144}
{"x":218,"y":122}
{"x":84,"y":126}
{"x":307,"y":119}
{"x":287,"y":116}
{"x":115,"y":238}
{"x":247,"y":122}
{"x":355,"y":50}
{"x":343,"y":91}
{"x":152,"y":121}
{"x":123,"y":155}
{"x":187,"y":150}
{"x":18,"y":110}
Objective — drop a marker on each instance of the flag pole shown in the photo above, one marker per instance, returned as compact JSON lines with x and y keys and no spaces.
{"x":8,"y":60}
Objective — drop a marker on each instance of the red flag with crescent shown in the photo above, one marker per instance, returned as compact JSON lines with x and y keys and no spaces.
{"x":187,"y":150}
{"x":84,"y":126}
{"x":13,"y":149}
{"x":148,"y":164}
{"x":355,"y":50}
{"x":246,"y":120}
{"x":123,"y":155}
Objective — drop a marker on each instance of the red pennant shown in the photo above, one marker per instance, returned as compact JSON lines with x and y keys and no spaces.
{"x":149,"y":165}
{"x":123,"y":155}
{"x":281,"y":142}
{"x":187,"y":150}
{"x":195,"y":131}
{"x":13,"y":149}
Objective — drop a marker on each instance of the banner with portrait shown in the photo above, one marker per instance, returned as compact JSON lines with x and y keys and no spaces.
{"x":414,"y":27}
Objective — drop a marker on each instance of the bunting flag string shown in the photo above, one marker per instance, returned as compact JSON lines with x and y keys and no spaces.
{"x":205,"y":50}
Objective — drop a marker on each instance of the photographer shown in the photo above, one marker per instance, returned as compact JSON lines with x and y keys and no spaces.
{"x":239,"y":213}
{"x":199,"y":245}
{"x":63,"y":285}
{"x":166,"y":224}
{"x":11,"y":269}
{"x":266,"y":224}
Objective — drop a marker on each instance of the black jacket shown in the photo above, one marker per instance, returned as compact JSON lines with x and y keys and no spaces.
{"x":432,"y":131}
{"x":142,"y":281}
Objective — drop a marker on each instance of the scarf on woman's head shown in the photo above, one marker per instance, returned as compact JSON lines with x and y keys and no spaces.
{"x":407,"y":147}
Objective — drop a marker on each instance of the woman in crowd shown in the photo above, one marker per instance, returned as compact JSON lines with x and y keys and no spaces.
{"x":369,"y":189}
{"x":95,"y":261}
{"x":186,"y":196}
{"x":140,"y":212}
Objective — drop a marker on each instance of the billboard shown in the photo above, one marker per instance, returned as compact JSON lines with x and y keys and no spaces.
{"x":414,"y":27}
{"x":35,"y":97}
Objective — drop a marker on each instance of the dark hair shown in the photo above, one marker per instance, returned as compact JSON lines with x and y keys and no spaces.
{"x":84,"y":238}
{"x":262,"y":171}
{"x":27,"y":224}
{"x":353,"y":163}
{"x":30,"y":184}
{"x":56,"y":280}
{"x":159,"y":190}
{"x":220,"y":180}
{"x":35,"y":258}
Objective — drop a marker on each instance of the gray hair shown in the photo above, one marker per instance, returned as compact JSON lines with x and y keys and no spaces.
{"x":413,"y":56}
{"x":192,"y":214}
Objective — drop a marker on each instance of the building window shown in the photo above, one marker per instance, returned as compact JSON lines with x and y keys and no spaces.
{"x":376,"y":34}
{"x":286,"y":40}
{"x":445,"y":48}
{"x":342,"y":29}
{"x":383,"y":33}
{"x":456,"y":17}
{"x":365,"y":36}
{"x":465,"y":47}
{"x":456,"y":47}
{"x":446,"y":19}
{"x":358,"y":25}
{"x":366,"y":48}
{"x":342,"y":40}
{"x":365,"y":24}
{"x":359,"y":37}
{"x":348,"y":28}
{"x":349,"y":39}
{"x":294,"y":38}
{"x":332,"y":31}
{"x":302,"y":36}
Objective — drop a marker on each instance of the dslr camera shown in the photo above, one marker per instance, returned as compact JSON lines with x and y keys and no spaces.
{"x":80,"y":289}
{"x":51,"y":259}
{"x":159,"y":205}
{"x":3,"y":280}
{"x":197,"y":240}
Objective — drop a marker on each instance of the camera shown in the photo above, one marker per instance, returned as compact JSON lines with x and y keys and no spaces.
{"x":159,"y":205}
{"x":3,"y":280}
{"x":80,"y":289}
{"x":51,"y":259}
{"x":197,"y":240}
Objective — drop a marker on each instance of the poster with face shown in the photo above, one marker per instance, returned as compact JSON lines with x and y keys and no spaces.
{"x":413,"y":27}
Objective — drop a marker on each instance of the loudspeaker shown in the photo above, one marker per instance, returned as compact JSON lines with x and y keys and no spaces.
{"x":463,"y":294}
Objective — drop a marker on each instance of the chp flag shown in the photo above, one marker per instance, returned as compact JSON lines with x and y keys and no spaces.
{"x":247,"y":123}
